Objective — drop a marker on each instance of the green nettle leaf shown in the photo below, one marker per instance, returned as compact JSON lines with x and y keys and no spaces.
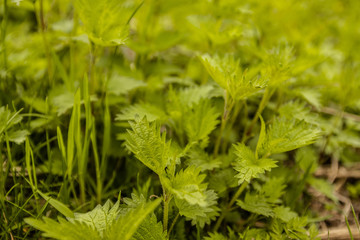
{"x":248,"y":166}
{"x":223,"y":180}
{"x":192,"y":198}
{"x":199,"y":215}
{"x":150,"y":229}
{"x":288,"y":134}
{"x":141,"y":110}
{"x":193,"y":95}
{"x":101,"y":217}
{"x":295,"y":228}
{"x":273,"y":189}
{"x":149,"y":146}
{"x":256,"y":233}
{"x":122,"y":84}
{"x":201,"y":121}
{"x":284,"y":213}
{"x":126,"y":225}
{"x":227,"y":73}
{"x":298,"y":110}
{"x":64,"y":230}
{"x":188,"y":185}
{"x":105,"y":21}
{"x":103,"y":222}
{"x":199,"y":158}
{"x":257,"y":204}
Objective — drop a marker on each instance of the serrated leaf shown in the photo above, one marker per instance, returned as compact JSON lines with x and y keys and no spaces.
{"x":273,"y":189}
{"x":288,"y":134}
{"x":123,"y":84}
{"x":227,"y":73}
{"x":199,"y":215}
{"x":256,"y":204}
{"x":64,"y":230}
{"x":150,"y":229}
{"x":298,"y":110}
{"x":199,"y":158}
{"x":126,"y":225}
{"x":193,"y":95}
{"x":105,"y":21}
{"x":201,"y":121}
{"x":248,"y":166}
{"x":141,"y":110}
{"x":255,"y":234}
{"x":295,"y":228}
{"x":222,"y":180}
{"x":101,"y":217}
{"x":148,"y":145}
{"x":284,"y":213}
{"x":188,"y":185}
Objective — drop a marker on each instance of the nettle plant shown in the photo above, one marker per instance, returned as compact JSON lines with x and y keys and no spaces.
{"x":174,"y":143}
{"x":201,"y":119}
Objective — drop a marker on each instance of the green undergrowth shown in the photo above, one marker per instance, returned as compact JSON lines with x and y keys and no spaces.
{"x":175,"y":119}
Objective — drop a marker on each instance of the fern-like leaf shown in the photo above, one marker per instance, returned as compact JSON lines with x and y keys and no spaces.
{"x":148,"y":145}
{"x":150,"y":229}
{"x":201,"y":121}
{"x":142,"y":110}
{"x":227,"y":73}
{"x":64,"y":230}
{"x":199,"y":215}
{"x":256,"y":204}
{"x":188,"y":185}
{"x":101,"y":217}
{"x":126,"y":225}
{"x":288,"y":134}
{"x":105,"y":21}
{"x":248,"y":166}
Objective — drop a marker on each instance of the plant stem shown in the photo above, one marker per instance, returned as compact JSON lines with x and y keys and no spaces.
{"x":233,"y":199}
{"x":173,"y":224}
{"x":92,"y":67}
{"x":237,"y":107}
{"x":198,"y":234}
{"x":227,"y":110}
{"x":265,"y":99}
{"x":167,"y":199}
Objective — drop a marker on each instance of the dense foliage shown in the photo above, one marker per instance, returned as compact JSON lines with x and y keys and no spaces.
{"x":158,"y":119}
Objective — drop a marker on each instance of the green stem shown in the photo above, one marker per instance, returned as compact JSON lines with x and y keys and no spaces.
{"x":227,"y":110}
{"x":97,"y":166}
{"x":265,"y":99}
{"x":173,"y":224}
{"x":235,"y":113}
{"x":166,"y":210}
{"x":92,"y":67}
{"x":198,"y":235}
{"x":234,"y":198}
